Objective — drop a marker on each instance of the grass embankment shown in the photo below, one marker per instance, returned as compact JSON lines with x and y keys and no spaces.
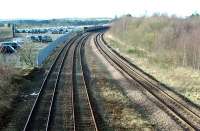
{"x":16,"y":89}
{"x":166,"y":47}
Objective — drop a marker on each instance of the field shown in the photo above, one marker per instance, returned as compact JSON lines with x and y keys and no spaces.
{"x":166,"y":47}
{"x":5,"y":33}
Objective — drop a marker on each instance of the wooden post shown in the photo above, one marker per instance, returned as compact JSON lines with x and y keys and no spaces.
{"x":13,"y":30}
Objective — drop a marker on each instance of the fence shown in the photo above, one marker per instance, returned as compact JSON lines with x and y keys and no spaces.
{"x":44,"y":53}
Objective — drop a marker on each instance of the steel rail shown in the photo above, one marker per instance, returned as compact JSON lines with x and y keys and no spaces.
{"x":85,"y":86}
{"x":56,"y":85}
{"x":88,"y":114}
{"x":28,"y":122}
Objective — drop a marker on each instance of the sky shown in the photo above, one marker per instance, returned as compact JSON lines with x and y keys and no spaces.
{"x":47,"y":9}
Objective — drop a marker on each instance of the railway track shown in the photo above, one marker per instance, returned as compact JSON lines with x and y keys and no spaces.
{"x":40,"y":114}
{"x":182,"y":114}
{"x":63,"y":115}
{"x":63,"y":102}
{"x":85,"y":119}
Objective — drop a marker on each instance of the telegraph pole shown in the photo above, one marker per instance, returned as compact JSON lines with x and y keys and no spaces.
{"x":13,"y":30}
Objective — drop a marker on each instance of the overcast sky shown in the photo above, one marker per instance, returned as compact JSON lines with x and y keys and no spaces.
{"x":39,"y":9}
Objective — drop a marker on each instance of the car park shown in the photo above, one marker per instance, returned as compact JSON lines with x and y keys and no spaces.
{"x":53,"y":30}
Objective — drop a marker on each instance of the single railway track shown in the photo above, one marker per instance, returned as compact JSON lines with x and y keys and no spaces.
{"x":40,"y":114}
{"x":63,"y":108}
{"x":189,"y":119}
{"x":84,"y":114}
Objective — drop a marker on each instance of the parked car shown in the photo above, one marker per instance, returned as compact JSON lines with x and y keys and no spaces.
{"x":19,"y":41}
{"x":55,"y":31}
{"x":46,"y":39}
{"x":13,"y":44}
{"x":35,"y":38}
{"x":41,"y":38}
{"x":7,"y":49}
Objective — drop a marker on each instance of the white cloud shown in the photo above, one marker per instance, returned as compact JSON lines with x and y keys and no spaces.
{"x":10,"y":9}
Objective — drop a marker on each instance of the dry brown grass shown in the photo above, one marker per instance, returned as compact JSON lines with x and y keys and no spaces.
{"x":166,"y":47}
{"x":9,"y":87}
{"x":5,"y":33}
{"x":174,"y":40}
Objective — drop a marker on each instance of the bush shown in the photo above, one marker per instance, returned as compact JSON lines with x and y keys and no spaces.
{"x":27,"y":55}
{"x":8,"y":91}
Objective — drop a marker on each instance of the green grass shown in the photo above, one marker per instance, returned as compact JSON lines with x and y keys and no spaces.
{"x":139,"y":53}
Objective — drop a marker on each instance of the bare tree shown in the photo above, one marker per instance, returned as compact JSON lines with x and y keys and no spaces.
{"x":27,"y":55}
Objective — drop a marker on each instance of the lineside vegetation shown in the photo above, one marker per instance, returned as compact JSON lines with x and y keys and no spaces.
{"x":166,"y":47}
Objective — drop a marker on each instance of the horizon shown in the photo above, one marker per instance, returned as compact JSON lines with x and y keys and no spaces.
{"x":61,"y":9}
{"x":41,"y":19}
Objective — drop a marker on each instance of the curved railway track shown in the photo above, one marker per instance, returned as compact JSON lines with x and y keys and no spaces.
{"x":57,"y":106}
{"x":85,"y":120}
{"x":40,"y":114}
{"x":186,"y":117}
